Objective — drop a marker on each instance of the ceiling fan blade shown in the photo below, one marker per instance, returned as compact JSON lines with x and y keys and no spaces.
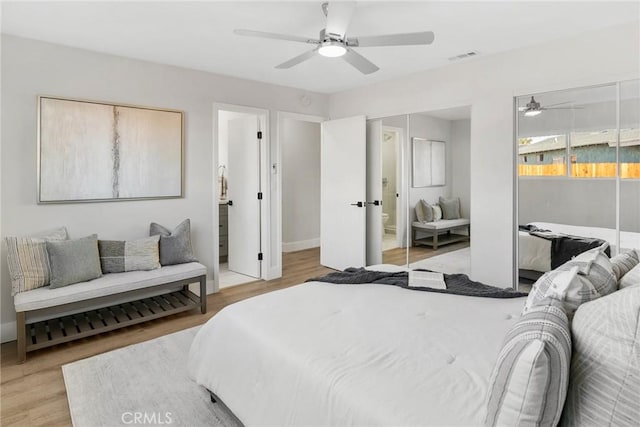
{"x":360,"y":62}
{"x":425,"y":37}
{"x":263,"y":34}
{"x":339,"y":16}
{"x":561,"y":108}
{"x":298,"y":59}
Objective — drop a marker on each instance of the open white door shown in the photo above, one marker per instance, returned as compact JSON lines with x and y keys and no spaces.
{"x":243,"y":188}
{"x":343,"y":191}
{"x":374,"y":192}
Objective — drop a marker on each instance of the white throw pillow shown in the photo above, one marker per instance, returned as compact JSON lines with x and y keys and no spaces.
{"x":437,"y":212}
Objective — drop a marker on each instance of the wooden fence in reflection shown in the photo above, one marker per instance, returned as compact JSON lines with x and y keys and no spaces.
{"x":582,"y":170}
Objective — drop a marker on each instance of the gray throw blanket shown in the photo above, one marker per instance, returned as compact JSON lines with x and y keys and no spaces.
{"x":457,"y":284}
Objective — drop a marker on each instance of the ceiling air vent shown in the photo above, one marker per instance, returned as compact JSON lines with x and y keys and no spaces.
{"x":463,"y":55}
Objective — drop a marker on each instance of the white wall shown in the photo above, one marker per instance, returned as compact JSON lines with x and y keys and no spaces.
{"x":31,"y":68}
{"x":460,"y":164}
{"x":489,"y":84}
{"x":300,"y":184}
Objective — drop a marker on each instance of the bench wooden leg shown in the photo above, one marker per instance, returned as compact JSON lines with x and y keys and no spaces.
{"x":21,"y":336}
{"x":435,"y":239}
{"x":203,"y":294}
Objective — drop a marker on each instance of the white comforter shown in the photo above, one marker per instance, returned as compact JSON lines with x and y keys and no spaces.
{"x":324,"y":354}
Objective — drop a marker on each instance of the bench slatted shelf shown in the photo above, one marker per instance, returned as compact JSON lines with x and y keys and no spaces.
{"x":88,"y":308}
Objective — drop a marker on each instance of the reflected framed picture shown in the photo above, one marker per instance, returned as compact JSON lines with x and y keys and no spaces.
{"x":92,"y":151}
{"x":428,"y":163}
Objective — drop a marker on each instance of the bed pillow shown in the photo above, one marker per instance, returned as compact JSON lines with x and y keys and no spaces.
{"x":584,"y":278}
{"x":175,"y":246}
{"x":604,"y":384}
{"x":632,"y":278}
{"x":529,"y":382}
{"x":557,"y":285}
{"x":437,"y":212}
{"x":117,"y":256}
{"x":74,"y":261}
{"x":624,"y":262}
{"x":450,"y":207}
{"x":28,"y":261}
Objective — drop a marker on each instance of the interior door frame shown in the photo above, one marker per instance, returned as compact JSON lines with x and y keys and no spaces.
{"x":265,"y":224}
{"x":275,"y":270}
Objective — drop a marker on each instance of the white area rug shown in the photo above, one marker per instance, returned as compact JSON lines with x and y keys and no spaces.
{"x":145,"y":383}
{"x":451,"y":263}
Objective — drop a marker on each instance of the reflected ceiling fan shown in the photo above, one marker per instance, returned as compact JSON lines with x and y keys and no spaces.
{"x":533,"y":107}
{"x":333,"y":41}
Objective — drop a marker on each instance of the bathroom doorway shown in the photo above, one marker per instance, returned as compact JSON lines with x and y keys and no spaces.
{"x":391,"y":137}
{"x":240,"y":183}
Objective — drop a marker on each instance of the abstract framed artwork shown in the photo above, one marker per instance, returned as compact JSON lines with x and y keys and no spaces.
{"x":91,"y":151}
{"x":429,"y":163}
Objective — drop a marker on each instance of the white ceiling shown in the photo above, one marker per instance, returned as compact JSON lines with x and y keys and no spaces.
{"x":199,"y":35}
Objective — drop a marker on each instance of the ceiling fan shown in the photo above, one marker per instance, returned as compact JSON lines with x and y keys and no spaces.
{"x":533,"y":107}
{"x":333,"y":41}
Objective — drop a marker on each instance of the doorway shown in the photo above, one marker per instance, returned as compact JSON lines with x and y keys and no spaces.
{"x":239,"y":192}
{"x":299,"y":138}
{"x":391,"y":178}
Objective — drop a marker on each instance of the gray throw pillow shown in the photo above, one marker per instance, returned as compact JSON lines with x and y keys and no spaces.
{"x":73,"y":261}
{"x":428,"y":211}
{"x":117,"y":256}
{"x":450,"y":208}
{"x":420,"y":217}
{"x":175,"y":246}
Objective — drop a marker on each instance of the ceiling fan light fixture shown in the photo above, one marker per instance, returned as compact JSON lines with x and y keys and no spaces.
{"x":532,"y":113}
{"x":332,"y":49}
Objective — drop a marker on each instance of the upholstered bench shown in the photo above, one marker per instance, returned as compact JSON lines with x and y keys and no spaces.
{"x":46,"y":317}
{"x":439,"y":232}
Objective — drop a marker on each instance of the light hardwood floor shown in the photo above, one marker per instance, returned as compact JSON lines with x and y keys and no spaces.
{"x":33,"y":394}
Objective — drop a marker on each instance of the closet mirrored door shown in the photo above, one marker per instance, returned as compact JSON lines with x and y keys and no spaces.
{"x":438,"y":208}
{"x":629,"y":155}
{"x":575,"y":184}
{"x":386,"y":190}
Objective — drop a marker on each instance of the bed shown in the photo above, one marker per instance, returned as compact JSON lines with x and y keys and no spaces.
{"x":535,"y":255}
{"x":327,"y":354}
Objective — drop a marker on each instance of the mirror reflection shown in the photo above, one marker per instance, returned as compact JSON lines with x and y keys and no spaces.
{"x":438,"y":208}
{"x":418,"y":171}
{"x":568,"y":163}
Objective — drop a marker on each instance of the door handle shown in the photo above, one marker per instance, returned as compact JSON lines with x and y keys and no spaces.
{"x":230,"y":203}
{"x":375,"y":203}
{"x":358,"y":204}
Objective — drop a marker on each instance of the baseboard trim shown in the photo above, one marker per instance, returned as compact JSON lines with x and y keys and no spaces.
{"x":300,"y":245}
{"x":8,"y":332}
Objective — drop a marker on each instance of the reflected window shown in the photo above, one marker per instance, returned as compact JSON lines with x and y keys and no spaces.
{"x":541,"y":154}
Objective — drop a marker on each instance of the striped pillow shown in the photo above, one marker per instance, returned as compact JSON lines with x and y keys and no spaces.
{"x":529,"y":382}
{"x":117,"y":256}
{"x":583,"y":279}
{"x":28,"y":261}
{"x":624,"y":262}
{"x":604,"y":385}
